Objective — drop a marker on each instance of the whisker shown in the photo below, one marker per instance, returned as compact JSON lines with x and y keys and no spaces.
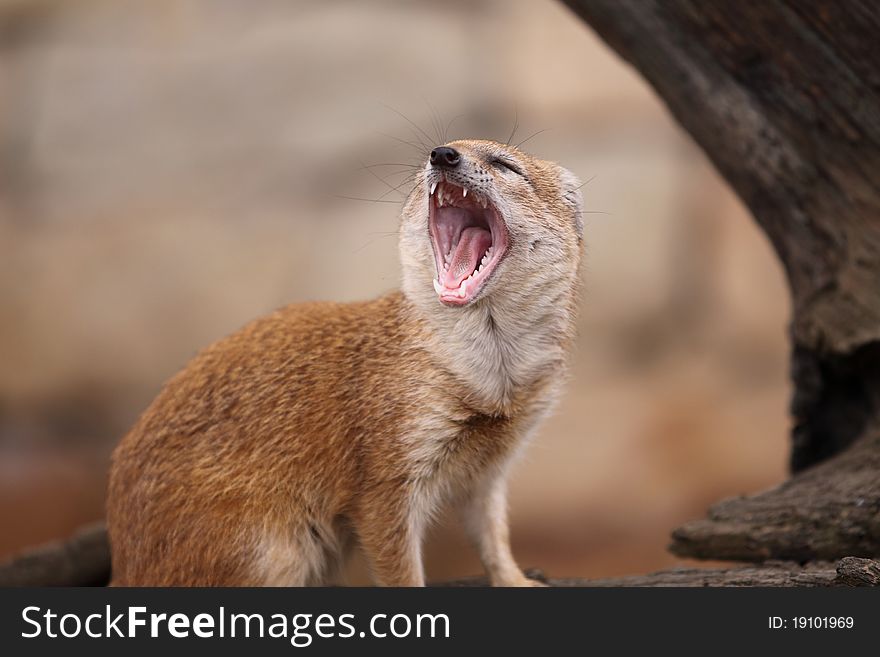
{"x":383,"y":233}
{"x":406,"y":181}
{"x":420,"y":148}
{"x":436,"y":122}
{"x":377,"y":177}
{"x":408,"y":174}
{"x":515,"y":124}
{"x":387,"y":164}
{"x":369,"y":200}
{"x":375,"y":239}
{"x":449,"y":125}
{"x":534,"y":134}
{"x":588,"y":181}
{"x":413,"y":124}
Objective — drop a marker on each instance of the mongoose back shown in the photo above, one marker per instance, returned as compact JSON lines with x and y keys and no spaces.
{"x":327,"y":425}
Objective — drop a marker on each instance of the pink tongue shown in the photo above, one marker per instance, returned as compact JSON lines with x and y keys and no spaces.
{"x":473,"y":244}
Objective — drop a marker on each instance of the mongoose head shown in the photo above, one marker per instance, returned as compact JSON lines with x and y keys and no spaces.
{"x":486,"y":220}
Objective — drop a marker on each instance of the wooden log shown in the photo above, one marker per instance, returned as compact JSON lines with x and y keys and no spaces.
{"x":850,"y":571}
{"x":826,"y":512}
{"x":81,"y":560}
{"x":84,"y":560}
{"x":784,"y":98}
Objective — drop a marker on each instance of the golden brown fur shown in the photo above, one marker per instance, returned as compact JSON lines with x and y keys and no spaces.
{"x":324,"y":424}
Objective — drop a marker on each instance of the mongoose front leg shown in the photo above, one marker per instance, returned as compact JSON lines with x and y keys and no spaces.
{"x":485,"y":521}
{"x":391,"y":537}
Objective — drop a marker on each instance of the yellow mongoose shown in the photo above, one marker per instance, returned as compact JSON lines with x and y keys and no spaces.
{"x":325,"y":424}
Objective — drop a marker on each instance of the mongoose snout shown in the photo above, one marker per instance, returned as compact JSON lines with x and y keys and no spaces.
{"x":328,"y":425}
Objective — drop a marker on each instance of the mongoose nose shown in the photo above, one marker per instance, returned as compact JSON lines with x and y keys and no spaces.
{"x":445,"y":157}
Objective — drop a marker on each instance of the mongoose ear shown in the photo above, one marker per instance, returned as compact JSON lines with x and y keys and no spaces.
{"x":571,"y":194}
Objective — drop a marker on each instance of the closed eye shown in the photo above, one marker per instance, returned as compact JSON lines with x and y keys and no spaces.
{"x":501,"y":163}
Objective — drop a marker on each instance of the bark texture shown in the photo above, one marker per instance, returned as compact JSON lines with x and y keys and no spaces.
{"x":784,"y":98}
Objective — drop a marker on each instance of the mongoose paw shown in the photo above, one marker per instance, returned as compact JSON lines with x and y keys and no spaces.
{"x":534,"y":583}
{"x":524,"y":581}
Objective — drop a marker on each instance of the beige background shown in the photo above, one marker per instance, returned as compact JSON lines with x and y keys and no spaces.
{"x":169,"y":170}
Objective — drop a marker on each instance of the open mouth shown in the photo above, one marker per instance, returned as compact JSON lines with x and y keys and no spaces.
{"x":469,"y":239}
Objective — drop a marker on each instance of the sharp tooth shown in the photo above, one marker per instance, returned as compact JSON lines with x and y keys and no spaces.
{"x":464,"y":191}
{"x":437,"y":287}
{"x":462,"y":289}
{"x":433,"y":187}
